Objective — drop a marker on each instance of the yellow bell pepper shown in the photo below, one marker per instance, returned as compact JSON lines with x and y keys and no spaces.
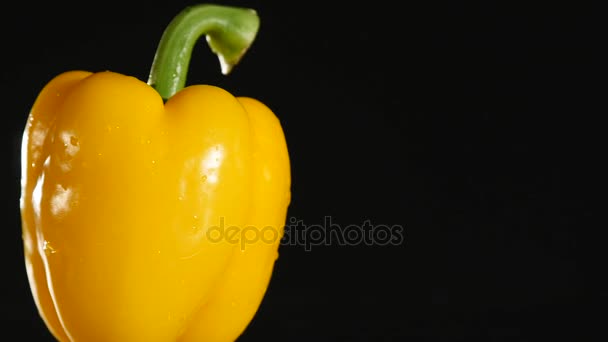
{"x":146,"y":220}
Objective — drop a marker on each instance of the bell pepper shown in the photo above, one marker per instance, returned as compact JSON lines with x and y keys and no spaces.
{"x":154,"y":211}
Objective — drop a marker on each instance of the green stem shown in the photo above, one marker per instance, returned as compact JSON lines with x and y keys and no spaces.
{"x":229,"y":30}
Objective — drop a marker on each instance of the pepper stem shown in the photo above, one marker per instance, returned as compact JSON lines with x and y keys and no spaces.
{"x":229,"y":32}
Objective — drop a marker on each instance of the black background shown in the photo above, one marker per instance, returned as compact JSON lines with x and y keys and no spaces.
{"x":470,"y":124}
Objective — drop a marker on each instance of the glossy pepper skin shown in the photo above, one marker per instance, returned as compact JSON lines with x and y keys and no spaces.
{"x":120,"y":194}
{"x":146,"y":220}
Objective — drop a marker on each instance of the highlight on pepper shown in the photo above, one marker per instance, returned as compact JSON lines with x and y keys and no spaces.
{"x":121,"y":180}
